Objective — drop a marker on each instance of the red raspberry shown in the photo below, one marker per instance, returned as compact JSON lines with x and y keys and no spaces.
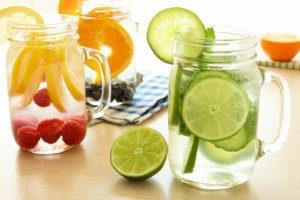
{"x":41,"y":98}
{"x":73,"y":132}
{"x":28,"y":137}
{"x":50,"y":129}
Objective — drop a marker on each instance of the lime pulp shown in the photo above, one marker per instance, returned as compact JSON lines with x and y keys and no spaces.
{"x":139,"y":153}
{"x":215,"y":108}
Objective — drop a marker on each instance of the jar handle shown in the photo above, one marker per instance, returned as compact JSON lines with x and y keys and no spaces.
{"x":101,"y":63}
{"x":285,"y":109}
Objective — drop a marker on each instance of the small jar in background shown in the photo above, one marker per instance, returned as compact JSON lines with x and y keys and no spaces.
{"x":107,"y":27}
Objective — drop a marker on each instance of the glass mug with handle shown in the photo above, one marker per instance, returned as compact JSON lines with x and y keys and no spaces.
{"x":46,"y":85}
{"x":213,"y":109}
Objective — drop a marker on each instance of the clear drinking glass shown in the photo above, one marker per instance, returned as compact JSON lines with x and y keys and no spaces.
{"x":213,"y":109}
{"x":46,"y":85}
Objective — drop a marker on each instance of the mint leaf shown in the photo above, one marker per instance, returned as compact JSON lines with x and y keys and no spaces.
{"x":210,"y":33}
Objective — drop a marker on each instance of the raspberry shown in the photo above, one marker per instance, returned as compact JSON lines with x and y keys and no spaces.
{"x":73,"y":132}
{"x":41,"y":98}
{"x":28,"y":137}
{"x":50,"y":129}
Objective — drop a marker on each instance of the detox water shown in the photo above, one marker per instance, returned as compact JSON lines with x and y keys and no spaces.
{"x":208,"y":163}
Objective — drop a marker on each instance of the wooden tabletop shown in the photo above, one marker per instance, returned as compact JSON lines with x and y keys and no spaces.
{"x":85,"y":172}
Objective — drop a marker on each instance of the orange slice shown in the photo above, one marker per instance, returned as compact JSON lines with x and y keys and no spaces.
{"x":93,"y":64}
{"x":70,"y":7}
{"x":100,"y":33}
{"x":280,"y":46}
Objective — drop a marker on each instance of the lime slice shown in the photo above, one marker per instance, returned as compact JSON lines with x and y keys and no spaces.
{"x":234,"y":143}
{"x":215,"y":108}
{"x":139,"y":153}
{"x":191,"y":152}
{"x":164,"y":27}
{"x":243,"y":137}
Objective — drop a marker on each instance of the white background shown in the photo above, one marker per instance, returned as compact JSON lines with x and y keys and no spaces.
{"x":256,"y":15}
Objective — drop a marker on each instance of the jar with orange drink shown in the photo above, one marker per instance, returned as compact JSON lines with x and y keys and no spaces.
{"x":107,"y":27}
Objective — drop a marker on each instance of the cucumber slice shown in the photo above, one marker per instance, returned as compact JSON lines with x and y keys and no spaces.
{"x":234,"y":143}
{"x":191,"y":154}
{"x":221,"y":156}
{"x":164,"y":27}
{"x":174,"y":97}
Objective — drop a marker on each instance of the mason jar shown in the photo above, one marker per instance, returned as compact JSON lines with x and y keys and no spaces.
{"x":107,"y":27}
{"x":214,"y":100}
{"x":46,"y":84}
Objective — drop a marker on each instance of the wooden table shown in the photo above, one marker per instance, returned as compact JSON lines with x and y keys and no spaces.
{"x":85,"y":172}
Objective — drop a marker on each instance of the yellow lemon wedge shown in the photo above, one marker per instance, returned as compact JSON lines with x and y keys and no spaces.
{"x":18,"y":14}
{"x":72,"y":76}
{"x":23,"y":69}
{"x":32,"y":84}
{"x":54,"y":79}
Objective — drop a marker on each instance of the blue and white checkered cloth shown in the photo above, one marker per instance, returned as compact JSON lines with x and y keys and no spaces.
{"x":150,"y":97}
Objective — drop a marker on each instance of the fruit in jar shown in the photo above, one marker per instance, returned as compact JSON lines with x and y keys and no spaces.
{"x":27,"y":137}
{"x":31,"y":87}
{"x":73,"y":132}
{"x":50,"y":129}
{"x":23,"y":69}
{"x":41,"y":98}
{"x":70,"y":7}
{"x":72,"y":75}
{"x":99,"y":32}
{"x":54,"y":80}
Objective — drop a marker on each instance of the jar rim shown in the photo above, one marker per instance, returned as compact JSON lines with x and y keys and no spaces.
{"x":231,"y":45}
{"x":238,"y":35}
{"x":55,"y":26}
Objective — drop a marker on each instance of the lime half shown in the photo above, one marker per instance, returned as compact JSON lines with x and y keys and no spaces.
{"x":215,"y":108}
{"x":164,"y":27}
{"x":139,"y":153}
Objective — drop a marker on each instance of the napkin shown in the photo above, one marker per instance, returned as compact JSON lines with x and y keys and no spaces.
{"x":150,"y":97}
{"x":276,"y":64}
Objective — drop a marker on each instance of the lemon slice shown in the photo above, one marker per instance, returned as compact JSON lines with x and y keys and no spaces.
{"x":73,"y":75}
{"x":22,"y":71}
{"x":32,"y":84}
{"x":18,"y":14}
{"x":54,"y":79}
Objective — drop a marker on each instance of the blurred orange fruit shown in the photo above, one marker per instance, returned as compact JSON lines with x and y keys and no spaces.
{"x":99,"y":31}
{"x":280,"y":46}
{"x":70,"y":7}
